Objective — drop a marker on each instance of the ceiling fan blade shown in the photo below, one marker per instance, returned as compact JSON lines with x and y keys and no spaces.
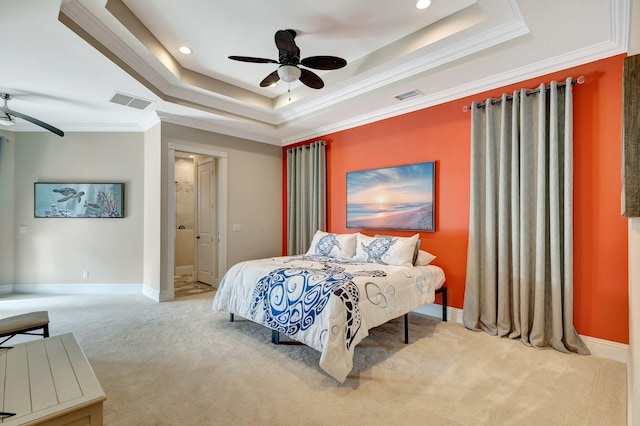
{"x":33,"y":120}
{"x":270,"y":79}
{"x":324,"y":62}
{"x":254,"y":60}
{"x":311,"y":79}
{"x":286,"y":43}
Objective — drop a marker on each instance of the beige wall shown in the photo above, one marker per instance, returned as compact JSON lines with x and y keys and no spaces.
{"x":57,"y":251}
{"x":130,"y":250}
{"x":254,"y":190}
{"x":7,"y":222}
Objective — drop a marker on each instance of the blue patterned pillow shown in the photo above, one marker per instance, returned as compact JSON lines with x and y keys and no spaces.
{"x":386,"y":250}
{"x":333,"y":245}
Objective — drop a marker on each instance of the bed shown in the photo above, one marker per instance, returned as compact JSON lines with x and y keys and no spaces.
{"x":329,"y":299}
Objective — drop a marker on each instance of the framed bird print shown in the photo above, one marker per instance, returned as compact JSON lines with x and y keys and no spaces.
{"x":78,"y":200}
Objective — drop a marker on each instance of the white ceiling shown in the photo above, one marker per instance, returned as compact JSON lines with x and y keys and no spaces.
{"x":63,"y":60}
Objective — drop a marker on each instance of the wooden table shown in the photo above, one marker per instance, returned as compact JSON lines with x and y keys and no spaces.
{"x":50,"y":382}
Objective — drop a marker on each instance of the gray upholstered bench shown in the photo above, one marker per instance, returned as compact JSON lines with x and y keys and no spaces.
{"x":25,"y":324}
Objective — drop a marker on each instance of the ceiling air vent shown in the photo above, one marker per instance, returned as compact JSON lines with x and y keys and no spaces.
{"x":409,"y":94}
{"x":131,"y":101}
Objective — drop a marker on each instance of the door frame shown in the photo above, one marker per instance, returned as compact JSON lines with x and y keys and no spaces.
{"x":221,"y":203}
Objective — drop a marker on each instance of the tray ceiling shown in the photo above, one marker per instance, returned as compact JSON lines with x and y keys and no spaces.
{"x":69,"y":58}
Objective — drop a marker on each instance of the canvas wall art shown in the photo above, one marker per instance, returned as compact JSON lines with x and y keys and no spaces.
{"x":88,"y":200}
{"x":400,"y":197}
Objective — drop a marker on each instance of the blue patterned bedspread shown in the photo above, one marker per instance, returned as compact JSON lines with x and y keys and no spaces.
{"x":327,"y":303}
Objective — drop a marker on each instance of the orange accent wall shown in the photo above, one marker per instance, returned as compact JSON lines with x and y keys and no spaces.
{"x":442,"y":134}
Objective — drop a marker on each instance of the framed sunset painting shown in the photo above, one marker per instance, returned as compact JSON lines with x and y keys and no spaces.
{"x":399,"y":197}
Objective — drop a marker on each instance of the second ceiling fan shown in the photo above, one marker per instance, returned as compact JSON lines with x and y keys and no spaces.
{"x":289,"y":60}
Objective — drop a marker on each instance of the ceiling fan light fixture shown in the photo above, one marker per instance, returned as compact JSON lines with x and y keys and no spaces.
{"x":423,"y":4}
{"x":289,"y":73}
{"x":289,"y":58}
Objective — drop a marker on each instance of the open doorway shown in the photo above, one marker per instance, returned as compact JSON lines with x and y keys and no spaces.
{"x":195,"y":250}
{"x":197,"y":219}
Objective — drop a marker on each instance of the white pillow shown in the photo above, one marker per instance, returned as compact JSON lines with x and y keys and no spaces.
{"x":424,"y":258}
{"x":333,"y":245}
{"x":386,"y":250}
{"x":415,"y":252}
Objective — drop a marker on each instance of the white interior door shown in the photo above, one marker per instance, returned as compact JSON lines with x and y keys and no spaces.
{"x":206,"y":239}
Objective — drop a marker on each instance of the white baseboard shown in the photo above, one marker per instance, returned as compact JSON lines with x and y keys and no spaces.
{"x":77,"y":288}
{"x":151,"y":293}
{"x":184,"y":270}
{"x":113,"y":289}
{"x":600,"y":348}
{"x":607,"y":349}
{"x":167,"y":295}
{"x":435,"y":310}
{"x":156,"y":295}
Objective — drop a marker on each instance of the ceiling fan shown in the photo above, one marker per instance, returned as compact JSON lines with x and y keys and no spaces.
{"x":289,"y":60}
{"x":7,"y":116}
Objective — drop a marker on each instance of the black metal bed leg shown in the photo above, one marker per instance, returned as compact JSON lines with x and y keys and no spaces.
{"x":444,"y":304}
{"x":406,"y":328}
{"x":231,"y":318}
{"x":275,"y":337}
{"x":443,"y":291}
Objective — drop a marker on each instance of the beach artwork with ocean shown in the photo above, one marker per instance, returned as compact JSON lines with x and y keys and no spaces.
{"x":400,"y":197}
{"x":88,"y":200}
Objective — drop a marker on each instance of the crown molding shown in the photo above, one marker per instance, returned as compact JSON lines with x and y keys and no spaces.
{"x":617,"y":44}
{"x":621,"y":23}
{"x":445,"y":54}
{"x":597,"y":52}
{"x":169,"y":87}
{"x":242,"y":119}
{"x":77,"y":14}
{"x":241,"y":133}
{"x":149,"y":71}
{"x":425,"y":63}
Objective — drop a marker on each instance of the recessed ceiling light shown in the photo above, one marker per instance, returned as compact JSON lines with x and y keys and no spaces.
{"x":185,"y":50}
{"x":423,"y":4}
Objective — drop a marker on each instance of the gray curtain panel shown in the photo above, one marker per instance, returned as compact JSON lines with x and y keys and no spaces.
{"x":306,"y":195}
{"x":520,"y":256}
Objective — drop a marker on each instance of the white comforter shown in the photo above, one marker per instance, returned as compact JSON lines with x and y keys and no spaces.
{"x":327,"y":303}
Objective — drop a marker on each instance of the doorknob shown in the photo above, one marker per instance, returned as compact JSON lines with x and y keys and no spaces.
{"x":198,"y":237}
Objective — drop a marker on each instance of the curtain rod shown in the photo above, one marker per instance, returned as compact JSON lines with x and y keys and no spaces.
{"x":323,"y":143}
{"x":579,"y":80}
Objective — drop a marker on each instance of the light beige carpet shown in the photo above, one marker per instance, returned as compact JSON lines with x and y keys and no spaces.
{"x":177,"y":363}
